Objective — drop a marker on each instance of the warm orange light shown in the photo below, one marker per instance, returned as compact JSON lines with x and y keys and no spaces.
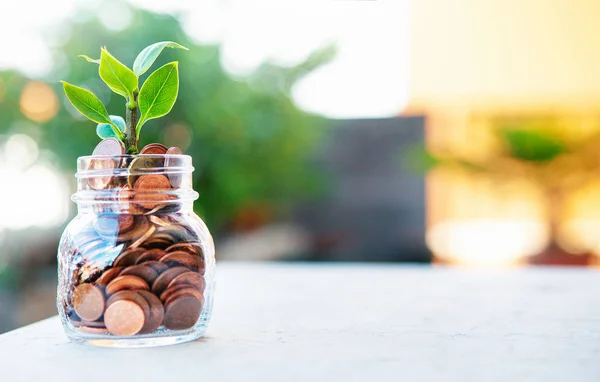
{"x":38,"y":102}
{"x":486,"y":242}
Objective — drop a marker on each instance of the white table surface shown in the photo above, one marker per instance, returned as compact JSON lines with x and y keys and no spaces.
{"x":353,"y":323}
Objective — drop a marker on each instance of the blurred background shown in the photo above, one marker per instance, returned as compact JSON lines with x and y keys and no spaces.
{"x":460,"y":132}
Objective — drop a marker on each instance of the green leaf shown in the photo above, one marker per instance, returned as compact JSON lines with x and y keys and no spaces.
{"x":89,"y":59}
{"x":106,"y":130}
{"x":86,"y":103}
{"x":119,"y":78}
{"x":159,"y":93}
{"x":146,"y":58}
{"x":532,"y":145}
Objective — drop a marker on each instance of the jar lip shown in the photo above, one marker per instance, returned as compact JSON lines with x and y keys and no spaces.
{"x":174,"y":156}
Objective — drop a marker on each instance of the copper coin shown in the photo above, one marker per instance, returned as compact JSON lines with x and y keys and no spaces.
{"x":162,"y":281}
{"x":181,"y":258}
{"x":126,"y":222}
{"x":174,"y":177}
{"x":88,"y":302}
{"x":163,"y":237}
{"x":110,"y":147}
{"x":126,"y":282}
{"x":142,"y":271}
{"x":156,"y":242}
{"x":155,"y":149}
{"x":128,"y":257}
{"x":178,"y":292}
{"x":108,"y":275}
{"x":151,"y":201}
{"x":157,"y":312}
{"x":152,"y":182}
{"x":151,"y":254}
{"x":124,"y":318}
{"x":125,"y":196}
{"x":141,"y":165}
{"x":191,"y":248}
{"x":93,"y":330}
{"x":148,"y":189}
{"x":174,"y":151}
{"x":193,"y":279}
{"x":182,"y":313}
{"x":131,"y":296}
{"x":140,"y":227}
{"x":157,"y":266}
{"x":105,"y":165}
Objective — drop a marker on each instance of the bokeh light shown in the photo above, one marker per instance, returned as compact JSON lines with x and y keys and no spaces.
{"x":487,"y":242}
{"x":38,"y":102}
{"x":35,"y":193}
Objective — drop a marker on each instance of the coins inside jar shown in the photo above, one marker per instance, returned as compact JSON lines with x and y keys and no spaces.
{"x":140,"y":263}
{"x":154,"y":281}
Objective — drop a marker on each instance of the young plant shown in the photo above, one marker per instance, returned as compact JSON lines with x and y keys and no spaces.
{"x":155,"y":98}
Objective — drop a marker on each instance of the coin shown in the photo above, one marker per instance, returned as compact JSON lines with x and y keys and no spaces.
{"x":157,"y":312}
{"x":192,"y":279}
{"x":125,"y":222}
{"x":165,"y":278}
{"x":156,"y":243}
{"x":155,"y":149}
{"x":131,"y":296}
{"x":108,"y":275}
{"x":88,"y":302}
{"x":148,"y":189}
{"x":152,"y":182}
{"x":151,"y":254}
{"x":128,"y":257}
{"x":191,"y":248}
{"x":124,"y":318}
{"x":93,"y":330}
{"x":157,"y":266}
{"x":174,"y":151}
{"x":142,"y":271}
{"x":162,"y":237}
{"x":125,"y":195}
{"x":142,"y":165}
{"x":175,"y":178}
{"x":176,"y":293}
{"x":126,"y":282}
{"x":181,"y":258}
{"x":103,"y":166}
{"x":140,"y":227}
{"x":182,"y":313}
{"x":110,"y":147}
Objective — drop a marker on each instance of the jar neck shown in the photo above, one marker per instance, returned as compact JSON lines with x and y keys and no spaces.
{"x":134,"y":184}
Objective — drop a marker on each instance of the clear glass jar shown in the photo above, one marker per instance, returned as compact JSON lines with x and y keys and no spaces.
{"x":136,"y":265}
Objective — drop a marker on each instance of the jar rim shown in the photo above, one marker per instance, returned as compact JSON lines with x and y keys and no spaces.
{"x":175,"y":156}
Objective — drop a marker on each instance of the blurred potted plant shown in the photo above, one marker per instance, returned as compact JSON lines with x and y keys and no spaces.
{"x":554,"y":163}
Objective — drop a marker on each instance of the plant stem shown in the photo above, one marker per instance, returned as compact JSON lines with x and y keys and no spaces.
{"x":131,"y":120}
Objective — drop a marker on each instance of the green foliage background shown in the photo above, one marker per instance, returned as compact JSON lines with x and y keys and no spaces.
{"x":250,"y":143}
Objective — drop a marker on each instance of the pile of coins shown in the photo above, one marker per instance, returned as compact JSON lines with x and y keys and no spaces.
{"x":137,"y":270}
{"x":142,"y":190}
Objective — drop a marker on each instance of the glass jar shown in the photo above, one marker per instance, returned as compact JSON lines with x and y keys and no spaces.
{"x":136,"y":265}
